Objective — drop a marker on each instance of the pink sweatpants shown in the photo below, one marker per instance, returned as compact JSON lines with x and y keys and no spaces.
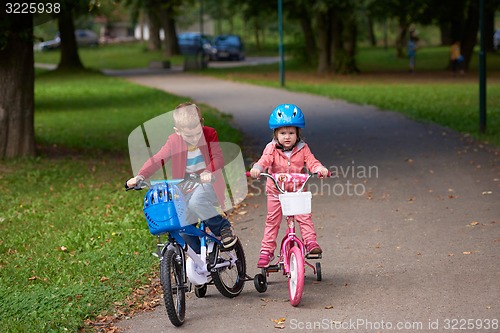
{"x":273,"y":221}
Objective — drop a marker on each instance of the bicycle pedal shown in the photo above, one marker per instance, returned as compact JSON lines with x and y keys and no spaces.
{"x":313,"y":256}
{"x":273,"y":268}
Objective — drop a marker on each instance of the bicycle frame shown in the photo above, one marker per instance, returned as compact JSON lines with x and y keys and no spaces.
{"x":202,"y":268}
{"x":292,"y":256}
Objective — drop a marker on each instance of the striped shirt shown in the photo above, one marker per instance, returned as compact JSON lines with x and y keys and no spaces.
{"x":195,"y":161}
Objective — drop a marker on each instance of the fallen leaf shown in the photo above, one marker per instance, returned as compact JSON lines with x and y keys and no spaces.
{"x":63,"y":248}
{"x":329,"y":307}
{"x":104,"y":279}
{"x":467,"y":252}
{"x":487,"y":192}
{"x":243,"y":212}
{"x":279,"y":321}
{"x":474,"y":223}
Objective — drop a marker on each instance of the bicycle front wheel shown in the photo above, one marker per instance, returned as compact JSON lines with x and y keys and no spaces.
{"x":230,"y":279}
{"x":174,"y":290}
{"x":296,"y":279}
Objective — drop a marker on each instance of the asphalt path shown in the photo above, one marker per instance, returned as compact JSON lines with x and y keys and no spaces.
{"x":409,"y":223}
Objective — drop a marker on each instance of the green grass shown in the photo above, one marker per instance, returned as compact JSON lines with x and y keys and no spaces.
{"x":111,"y":56}
{"x":431,"y":95}
{"x":73,"y":242}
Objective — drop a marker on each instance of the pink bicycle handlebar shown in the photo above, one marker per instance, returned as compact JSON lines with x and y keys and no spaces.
{"x":282,"y":178}
{"x":293,"y":176}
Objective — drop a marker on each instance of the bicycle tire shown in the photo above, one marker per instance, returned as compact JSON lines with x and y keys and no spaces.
{"x":296,"y":278}
{"x":230,"y":280}
{"x":174,"y":291}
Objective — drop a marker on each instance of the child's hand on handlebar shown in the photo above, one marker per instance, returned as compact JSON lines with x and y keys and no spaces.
{"x":255,"y":173}
{"x":322,"y":172}
{"x":134,"y":180}
{"x":206,"y":176}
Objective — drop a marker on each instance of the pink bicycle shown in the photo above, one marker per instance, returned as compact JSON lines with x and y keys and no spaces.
{"x":292,"y":256}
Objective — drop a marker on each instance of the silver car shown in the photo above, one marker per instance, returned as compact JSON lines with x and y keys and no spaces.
{"x":83,"y":38}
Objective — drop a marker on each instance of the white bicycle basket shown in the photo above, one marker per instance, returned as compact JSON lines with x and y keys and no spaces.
{"x":295,"y":203}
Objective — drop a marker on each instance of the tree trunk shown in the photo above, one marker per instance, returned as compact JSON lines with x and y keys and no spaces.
{"x":257,"y":36}
{"x":154,"y":43}
{"x":17,"y":135}
{"x":350,"y":44}
{"x":69,"y":49}
{"x":371,"y":32}
{"x":323,"y":43}
{"x":401,"y":38}
{"x":305,"y":23}
{"x":489,"y":29}
{"x":445,"y":30}
{"x":469,"y":39}
{"x":170,"y":42}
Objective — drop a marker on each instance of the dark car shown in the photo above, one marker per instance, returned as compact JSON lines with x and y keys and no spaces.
{"x":228,"y":47}
{"x":496,"y":40}
{"x":192,"y":43}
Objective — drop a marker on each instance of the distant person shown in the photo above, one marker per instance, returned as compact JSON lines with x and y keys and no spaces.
{"x":412,"y":51}
{"x":456,"y":58}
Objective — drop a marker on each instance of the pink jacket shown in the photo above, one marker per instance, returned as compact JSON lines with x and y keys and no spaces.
{"x":275,"y":161}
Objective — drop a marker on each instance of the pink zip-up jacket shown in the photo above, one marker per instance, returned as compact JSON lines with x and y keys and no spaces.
{"x":275,"y":161}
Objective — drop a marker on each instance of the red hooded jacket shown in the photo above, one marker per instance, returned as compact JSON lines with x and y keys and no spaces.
{"x":176,"y":149}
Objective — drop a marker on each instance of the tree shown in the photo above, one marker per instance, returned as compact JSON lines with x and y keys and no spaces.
{"x":17,"y":136}
{"x":70,"y":59}
{"x":337,"y":36}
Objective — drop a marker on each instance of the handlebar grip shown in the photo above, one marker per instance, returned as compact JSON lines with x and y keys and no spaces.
{"x":328,"y":175}
{"x":248,"y":174}
{"x":127,"y":188}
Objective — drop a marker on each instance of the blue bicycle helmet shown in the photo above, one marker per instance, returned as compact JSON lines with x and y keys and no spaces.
{"x":286,"y":115}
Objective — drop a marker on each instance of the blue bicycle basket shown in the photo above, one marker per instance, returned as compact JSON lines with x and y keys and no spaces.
{"x":164,"y":208}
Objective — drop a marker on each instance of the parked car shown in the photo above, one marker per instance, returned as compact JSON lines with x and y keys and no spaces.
{"x":228,"y":47}
{"x":496,"y":39}
{"x":192,"y":43}
{"x":83,"y":38}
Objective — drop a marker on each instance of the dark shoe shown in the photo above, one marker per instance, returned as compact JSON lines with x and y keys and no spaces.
{"x":227,"y":238}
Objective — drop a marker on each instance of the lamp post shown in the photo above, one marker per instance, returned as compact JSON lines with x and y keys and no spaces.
{"x":482,"y":71}
{"x":281,"y":51}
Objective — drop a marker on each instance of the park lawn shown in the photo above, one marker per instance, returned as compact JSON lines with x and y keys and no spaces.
{"x":74,"y":244}
{"x":112,"y":56}
{"x":432,"y":94}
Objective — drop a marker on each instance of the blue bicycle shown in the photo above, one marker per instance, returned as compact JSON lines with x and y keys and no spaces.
{"x":180,"y":265}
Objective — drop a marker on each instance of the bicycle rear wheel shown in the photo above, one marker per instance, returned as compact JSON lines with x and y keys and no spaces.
{"x":174,"y":291}
{"x":296,"y":279}
{"x":229,"y":280}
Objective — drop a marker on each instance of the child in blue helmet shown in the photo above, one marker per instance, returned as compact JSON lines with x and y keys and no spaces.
{"x":286,"y":153}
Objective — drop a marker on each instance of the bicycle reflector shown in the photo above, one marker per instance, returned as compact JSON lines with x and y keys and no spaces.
{"x":164,"y":208}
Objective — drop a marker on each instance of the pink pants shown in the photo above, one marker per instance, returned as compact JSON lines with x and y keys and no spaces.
{"x":273,"y":221}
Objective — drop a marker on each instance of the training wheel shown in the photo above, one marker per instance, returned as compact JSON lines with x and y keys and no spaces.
{"x":200,"y":291}
{"x":318,"y":271}
{"x":260,"y":283}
